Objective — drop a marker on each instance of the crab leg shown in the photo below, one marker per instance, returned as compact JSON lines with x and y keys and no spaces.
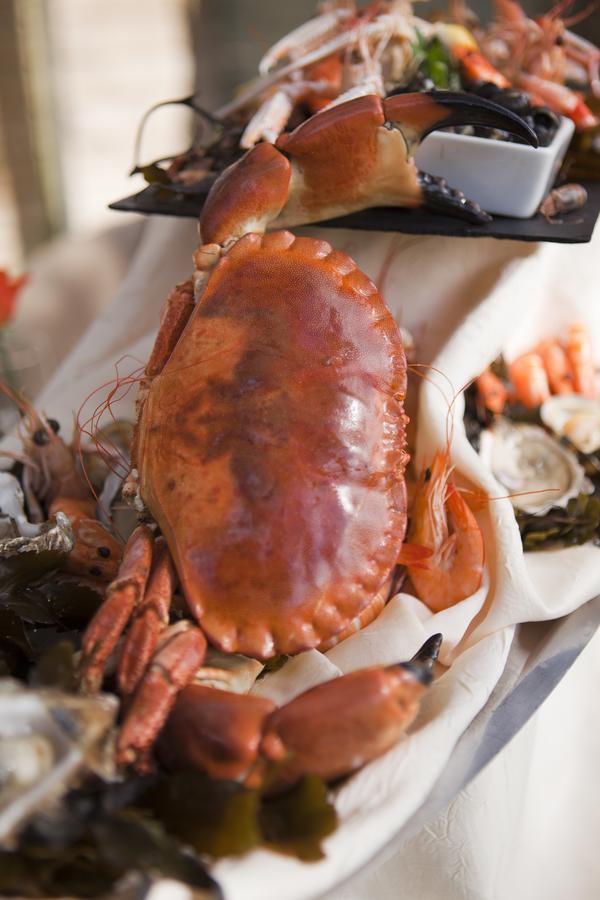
{"x":151,"y":619}
{"x":123,"y":595}
{"x":174,"y":317}
{"x":179,"y":655}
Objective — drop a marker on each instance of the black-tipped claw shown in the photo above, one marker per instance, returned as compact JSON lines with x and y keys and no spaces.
{"x":469,"y":109}
{"x":438,"y":196}
{"x":421,"y":665}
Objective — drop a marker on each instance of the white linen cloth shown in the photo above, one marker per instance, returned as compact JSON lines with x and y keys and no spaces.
{"x":464,"y":301}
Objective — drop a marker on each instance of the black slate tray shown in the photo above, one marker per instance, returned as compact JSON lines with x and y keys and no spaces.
{"x":574,"y":228}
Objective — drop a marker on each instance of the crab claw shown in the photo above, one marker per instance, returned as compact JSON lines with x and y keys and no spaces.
{"x":417,"y":115}
{"x":346,"y":158}
{"x":421,"y":665}
{"x":214,"y":731}
{"x":337,"y":727}
{"x":438,"y":196}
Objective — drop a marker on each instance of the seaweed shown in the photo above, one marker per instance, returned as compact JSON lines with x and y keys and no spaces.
{"x":223,"y":818}
{"x":578,"y":523}
{"x":108,"y":847}
{"x":161,"y":825}
{"x":296,"y":821}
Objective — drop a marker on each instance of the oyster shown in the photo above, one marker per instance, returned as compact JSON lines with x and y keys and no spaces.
{"x":48,"y":739}
{"x":532,"y":466}
{"x":574,"y":417}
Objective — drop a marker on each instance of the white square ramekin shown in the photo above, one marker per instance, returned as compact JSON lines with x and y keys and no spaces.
{"x":504,"y":178}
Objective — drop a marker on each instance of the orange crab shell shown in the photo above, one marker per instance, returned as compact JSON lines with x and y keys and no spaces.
{"x":271,"y":447}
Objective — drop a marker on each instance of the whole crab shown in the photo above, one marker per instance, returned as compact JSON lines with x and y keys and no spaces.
{"x":270,"y":453}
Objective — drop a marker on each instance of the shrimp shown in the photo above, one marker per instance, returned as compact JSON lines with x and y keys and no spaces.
{"x":52,"y":484}
{"x":529,"y":378}
{"x":442,"y":523}
{"x":581,"y":357}
{"x":491,"y":392}
{"x":558,"y":368}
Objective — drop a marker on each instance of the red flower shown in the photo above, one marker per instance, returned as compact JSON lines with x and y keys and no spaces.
{"x":9,"y":291}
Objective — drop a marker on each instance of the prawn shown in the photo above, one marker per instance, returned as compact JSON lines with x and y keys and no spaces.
{"x":443,"y":524}
{"x":581,"y":357}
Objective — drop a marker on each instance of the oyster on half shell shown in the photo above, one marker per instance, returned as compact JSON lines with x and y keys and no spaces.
{"x":574,"y":417}
{"x":533,"y":466}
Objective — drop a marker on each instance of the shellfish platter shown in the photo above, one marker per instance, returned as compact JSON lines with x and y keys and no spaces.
{"x":498,"y":146}
{"x":487,"y":682}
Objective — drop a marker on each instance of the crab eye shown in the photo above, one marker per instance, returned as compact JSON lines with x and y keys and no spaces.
{"x":54,"y":425}
{"x":40,"y":437}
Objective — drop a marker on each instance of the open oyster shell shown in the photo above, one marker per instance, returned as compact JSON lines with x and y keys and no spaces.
{"x":47,"y":740}
{"x":574,"y":417}
{"x":533,"y":466}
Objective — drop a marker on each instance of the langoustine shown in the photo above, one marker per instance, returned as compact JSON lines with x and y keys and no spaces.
{"x":53,"y":484}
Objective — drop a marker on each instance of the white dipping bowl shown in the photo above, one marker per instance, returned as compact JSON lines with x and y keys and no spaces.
{"x":504,"y":178}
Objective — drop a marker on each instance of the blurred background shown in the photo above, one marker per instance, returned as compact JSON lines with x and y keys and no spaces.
{"x":75,"y":78}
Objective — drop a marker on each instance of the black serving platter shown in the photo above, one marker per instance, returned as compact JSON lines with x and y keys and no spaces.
{"x":574,"y":228}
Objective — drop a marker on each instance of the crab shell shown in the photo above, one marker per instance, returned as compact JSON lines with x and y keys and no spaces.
{"x":271,"y":447}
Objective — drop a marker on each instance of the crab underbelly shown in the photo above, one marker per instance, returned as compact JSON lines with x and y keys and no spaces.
{"x":272,"y":448}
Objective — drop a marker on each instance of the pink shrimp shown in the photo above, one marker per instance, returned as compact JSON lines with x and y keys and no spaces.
{"x":529,"y":378}
{"x":442,"y":523}
{"x":581,"y":357}
{"x":557,"y":365}
{"x":491,"y":392}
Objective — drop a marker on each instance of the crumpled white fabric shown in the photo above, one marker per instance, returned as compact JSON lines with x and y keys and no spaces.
{"x":464,"y":301}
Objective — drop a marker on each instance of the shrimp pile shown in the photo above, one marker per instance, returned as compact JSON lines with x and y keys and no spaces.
{"x":541,"y":55}
{"x":551,"y":367}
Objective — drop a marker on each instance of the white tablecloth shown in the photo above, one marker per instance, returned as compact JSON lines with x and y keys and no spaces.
{"x":464,"y":300}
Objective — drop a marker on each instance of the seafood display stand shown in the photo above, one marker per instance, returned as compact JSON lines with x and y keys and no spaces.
{"x":505,"y":647}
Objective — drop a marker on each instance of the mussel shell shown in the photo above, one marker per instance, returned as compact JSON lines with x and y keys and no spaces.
{"x":574,"y":417}
{"x":532,"y":466}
